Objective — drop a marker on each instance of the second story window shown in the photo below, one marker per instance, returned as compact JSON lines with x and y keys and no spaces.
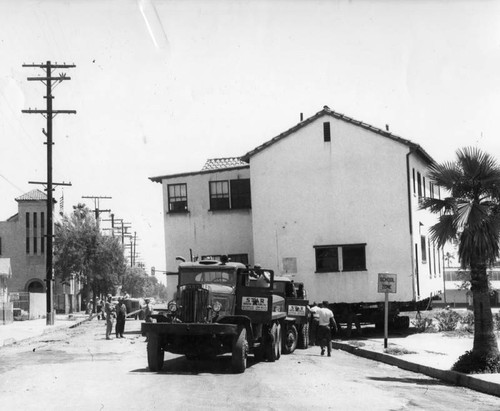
{"x":232,"y":194}
{"x":177,"y":198}
{"x":219,"y":195}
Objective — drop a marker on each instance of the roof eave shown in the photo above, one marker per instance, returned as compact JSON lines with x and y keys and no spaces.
{"x":159,"y":179}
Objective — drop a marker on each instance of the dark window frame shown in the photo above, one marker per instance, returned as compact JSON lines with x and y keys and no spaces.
{"x":231,"y":194}
{"x":356,"y":263}
{"x":42,"y":232}
{"x":27,"y":233}
{"x":327,"y":135}
{"x":327,"y":258}
{"x":177,"y":201}
{"x":219,"y":195}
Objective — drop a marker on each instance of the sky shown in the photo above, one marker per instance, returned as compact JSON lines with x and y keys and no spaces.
{"x":161,"y":86}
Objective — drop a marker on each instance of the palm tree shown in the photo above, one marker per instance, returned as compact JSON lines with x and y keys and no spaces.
{"x":471,"y":217}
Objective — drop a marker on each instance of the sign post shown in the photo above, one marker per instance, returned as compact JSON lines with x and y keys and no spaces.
{"x":387,"y":283}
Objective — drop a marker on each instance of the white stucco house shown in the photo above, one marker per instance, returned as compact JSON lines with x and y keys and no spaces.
{"x":331,"y":202}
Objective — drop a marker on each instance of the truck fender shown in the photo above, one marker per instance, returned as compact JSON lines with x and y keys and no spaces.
{"x":239,"y":320}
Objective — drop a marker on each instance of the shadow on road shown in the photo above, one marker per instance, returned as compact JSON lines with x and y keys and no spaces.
{"x":183,"y":366}
{"x":417,"y":381}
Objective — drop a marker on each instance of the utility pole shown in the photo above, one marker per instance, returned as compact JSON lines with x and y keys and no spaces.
{"x":49,"y":113}
{"x":97,"y":210}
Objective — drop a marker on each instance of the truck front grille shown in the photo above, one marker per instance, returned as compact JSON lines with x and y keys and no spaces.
{"x":194,"y":302}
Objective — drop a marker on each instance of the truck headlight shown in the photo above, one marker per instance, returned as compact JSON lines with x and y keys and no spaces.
{"x":217,"y":306}
{"x":172,"y":306}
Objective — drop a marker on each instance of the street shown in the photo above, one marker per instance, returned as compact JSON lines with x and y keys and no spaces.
{"x":78,"y":369}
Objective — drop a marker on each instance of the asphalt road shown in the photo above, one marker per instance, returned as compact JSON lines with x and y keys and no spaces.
{"x":79,"y":370}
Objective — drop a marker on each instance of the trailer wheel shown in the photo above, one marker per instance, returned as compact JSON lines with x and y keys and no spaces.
{"x":155,"y":353}
{"x":290,"y":340}
{"x":240,"y":352}
{"x":303,"y":339}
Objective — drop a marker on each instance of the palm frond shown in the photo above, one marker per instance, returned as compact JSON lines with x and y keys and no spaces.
{"x":444,"y":230}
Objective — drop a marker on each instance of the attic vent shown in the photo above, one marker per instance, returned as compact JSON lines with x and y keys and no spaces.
{"x":326,"y":131}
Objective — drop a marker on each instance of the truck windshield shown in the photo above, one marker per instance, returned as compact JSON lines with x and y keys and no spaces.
{"x":207,"y":276}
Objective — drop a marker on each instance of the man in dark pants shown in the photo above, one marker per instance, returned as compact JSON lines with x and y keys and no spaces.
{"x":326,"y":324}
{"x":313,"y":326}
{"x":121,"y":314}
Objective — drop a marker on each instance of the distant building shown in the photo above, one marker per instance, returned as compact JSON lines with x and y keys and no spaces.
{"x":23,"y":241}
{"x":457,"y":291}
{"x":330,"y":202}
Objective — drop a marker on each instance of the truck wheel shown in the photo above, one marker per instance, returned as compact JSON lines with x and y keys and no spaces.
{"x":290,"y":340}
{"x":278,"y":341}
{"x":155,"y":353}
{"x":240,"y":352}
{"x":271,"y":349}
{"x":303,"y":339}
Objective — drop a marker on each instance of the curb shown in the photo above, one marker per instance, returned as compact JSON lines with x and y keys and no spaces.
{"x":451,"y":377}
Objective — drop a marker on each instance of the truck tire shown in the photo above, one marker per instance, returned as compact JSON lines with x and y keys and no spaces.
{"x":155,"y":353}
{"x":290,"y":339}
{"x":278,"y":341}
{"x":303,"y":338}
{"x":240,"y":352}
{"x":271,"y":344}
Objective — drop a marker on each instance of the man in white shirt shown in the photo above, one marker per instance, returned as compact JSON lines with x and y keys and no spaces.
{"x":326,"y":323}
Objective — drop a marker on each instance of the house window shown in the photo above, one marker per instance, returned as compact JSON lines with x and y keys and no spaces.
{"x":423,"y":183}
{"x":327,"y":259}
{"x":353,"y":258}
{"x":42,"y":233}
{"x":35,"y":233}
{"x":27,"y":233}
{"x":234,"y":258}
{"x":419,"y":184}
{"x":326,"y":131}
{"x":239,"y":258}
{"x":232,"y":194}
{"x":423,"y":249}
{"x":240,"y":193}
{"x":177,"y":198}
{"x":414,"y":185}
{"x":219,"y":195}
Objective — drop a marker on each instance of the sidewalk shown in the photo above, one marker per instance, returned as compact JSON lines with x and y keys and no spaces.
{"x":432,"y":354}
{"x":22,"y":330}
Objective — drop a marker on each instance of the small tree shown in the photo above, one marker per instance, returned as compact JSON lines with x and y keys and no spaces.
{"x":471,"y":216}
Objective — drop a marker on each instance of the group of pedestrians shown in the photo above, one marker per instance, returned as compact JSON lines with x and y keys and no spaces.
{"x":111,"y":312}
{"x":322,"y":326}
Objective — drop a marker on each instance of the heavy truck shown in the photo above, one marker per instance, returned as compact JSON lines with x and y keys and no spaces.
{"x":220,"y":307}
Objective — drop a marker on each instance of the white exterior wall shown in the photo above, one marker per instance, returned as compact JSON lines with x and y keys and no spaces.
{"x":352,"y":190}
{"x":202,"y":231}
{"x":428,"y":274}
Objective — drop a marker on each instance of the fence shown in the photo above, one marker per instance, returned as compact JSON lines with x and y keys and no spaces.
{"x":28,"y":306}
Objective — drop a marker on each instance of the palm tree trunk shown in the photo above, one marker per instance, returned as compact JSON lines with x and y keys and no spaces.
{"x":485,"y":342}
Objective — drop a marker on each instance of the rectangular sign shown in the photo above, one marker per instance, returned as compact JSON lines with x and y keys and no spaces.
{"x":387,"y":283}
{"x":254,"y":304}
{"x":297,"y":310}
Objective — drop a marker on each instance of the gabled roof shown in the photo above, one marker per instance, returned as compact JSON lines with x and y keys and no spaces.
{"x":33,"y":195}
{"x":221,"y":163}
{"x":212,"y":165}
{"x":326,"y":111}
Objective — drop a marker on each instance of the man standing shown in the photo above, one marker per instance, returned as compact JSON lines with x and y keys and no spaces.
{"x":326,"y":323}
{"x":108,"y":311}
{"x":121,"y":314}
{"x":313,"y":327}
